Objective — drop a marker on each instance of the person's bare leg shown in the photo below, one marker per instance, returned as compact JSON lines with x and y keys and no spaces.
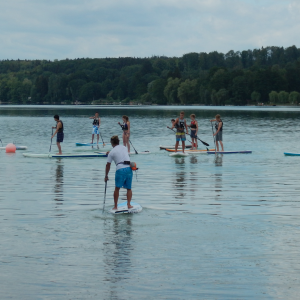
{"x":116,"y":197}
{"x":176,"y":146}
{"x":222,"y":145}
{"x":92,"y":138}
{"x":183,"y":146}
{"x":128,"y":144}
{"x":217,"y":144}
{"x":193,"y":141}
{"x":124,"y":139}
{"x":97,"y":139}
{"x":129,"y":197}
{"x":59,"y":148}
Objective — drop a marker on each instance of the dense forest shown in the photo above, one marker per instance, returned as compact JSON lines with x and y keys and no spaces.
{"x":269,"y":75}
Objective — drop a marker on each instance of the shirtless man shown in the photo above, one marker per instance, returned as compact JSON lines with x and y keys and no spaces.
{"x":60,"y":133}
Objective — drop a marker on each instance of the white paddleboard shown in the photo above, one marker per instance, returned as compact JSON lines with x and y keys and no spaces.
{"x":49,"y":155}
{"x":173,"y":147}
{"x":229,"y":152}
{"x":179,"y":154}
{"x":18,"y":148}
{"x":123,"y":209}
{"x":131,"y":153}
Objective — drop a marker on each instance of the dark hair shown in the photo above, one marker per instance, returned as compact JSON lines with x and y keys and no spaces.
{"x":172,"y":120}
{"x":193,"y":115}
{"x":182,"y":112}
{"x":56,"y":117}
{"x":115,"y":140}
{"x":125,"y":117}
{"x":96,"y":113}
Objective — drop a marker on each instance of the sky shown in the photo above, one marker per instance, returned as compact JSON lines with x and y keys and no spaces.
{"x":43,"y":29}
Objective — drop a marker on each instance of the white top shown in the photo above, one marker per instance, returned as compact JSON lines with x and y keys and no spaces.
{"x":119,"y":154}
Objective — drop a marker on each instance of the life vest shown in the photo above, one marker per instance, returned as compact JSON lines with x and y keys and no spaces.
{"x":180,"y":125}
{"x":124,"y":126}
{"x":96,"y":122}
{"x":193,"y":125}
{"x":217,"y":125}
{"x":62,"y":126}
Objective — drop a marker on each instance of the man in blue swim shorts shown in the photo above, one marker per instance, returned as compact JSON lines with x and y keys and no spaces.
{"x":180,"y":125}
{"x":60,"y":133}
{"x":123,"y":177}
{"x":96,"y":127}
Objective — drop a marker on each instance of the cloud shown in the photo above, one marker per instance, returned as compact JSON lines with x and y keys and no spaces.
{"x":39,"y":29}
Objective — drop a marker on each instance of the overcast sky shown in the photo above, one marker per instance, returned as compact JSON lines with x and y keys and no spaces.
{"x":59,"y":29}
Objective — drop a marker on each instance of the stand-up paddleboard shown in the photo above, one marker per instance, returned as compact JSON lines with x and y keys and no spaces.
{"x":173,"y":147}
{"x":192,"y":151}
{"x":17,"y":148}
{"x":131,"y":153}
{"x":179,"y":154}
{"x":123,"y":209}
{"x":88,"y":144}
{"x":291,"y":154}
{"x":49,"y":155}
{"x":229,"y":152}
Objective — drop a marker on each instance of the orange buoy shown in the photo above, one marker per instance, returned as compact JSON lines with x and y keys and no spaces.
{"x":11,"y":148}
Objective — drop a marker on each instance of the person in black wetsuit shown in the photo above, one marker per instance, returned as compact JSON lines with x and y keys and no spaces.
{"x":60,"y":133}
{"x":96,"y":126}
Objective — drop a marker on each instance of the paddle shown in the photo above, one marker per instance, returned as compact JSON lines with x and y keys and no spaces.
{"x":129,"y":141}
{"x":104,"y":196}
{"x":197,"y":138}
{"x":102,"y":139}
{"x":51,"y":141}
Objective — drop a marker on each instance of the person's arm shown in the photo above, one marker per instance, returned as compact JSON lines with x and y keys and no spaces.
{"x":92,"y":117}
{"x":214,"y":120}
{"x":57,"y":127}
{"x":176,"y":121}
{"x":187,"y":132}
{"x":128,"y":125}
{"x":107,"y":169}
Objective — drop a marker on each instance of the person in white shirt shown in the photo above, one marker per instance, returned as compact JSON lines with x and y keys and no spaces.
{"x":123,"y":177}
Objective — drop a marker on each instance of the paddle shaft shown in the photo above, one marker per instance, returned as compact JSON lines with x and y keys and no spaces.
{"x":104,"y":196}
{"x":129,"y":141}
{"x":102,"y":139}
{"x":51,"y":141}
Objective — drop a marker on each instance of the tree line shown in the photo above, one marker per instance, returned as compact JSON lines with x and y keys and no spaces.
{"x":270,"y":74}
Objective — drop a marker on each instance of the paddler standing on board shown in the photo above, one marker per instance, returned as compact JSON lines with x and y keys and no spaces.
{"x":126,"y":132}
{"x":123,"y":177}
{"x":180,"y":125}
{"x":194,"y":131}
{"x":219,"y":131}
{"x":96,"y":125}
{"x":60,"y":133}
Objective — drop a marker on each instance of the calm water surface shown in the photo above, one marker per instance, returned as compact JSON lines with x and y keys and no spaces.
{"x":224,"y":227}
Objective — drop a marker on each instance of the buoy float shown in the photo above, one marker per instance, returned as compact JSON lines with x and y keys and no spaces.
{"x":11,"y":148}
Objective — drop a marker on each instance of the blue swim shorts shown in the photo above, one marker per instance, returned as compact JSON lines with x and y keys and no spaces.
{"x":123,"y":178}
{"x":59,"y":137}
{"x":95,"y":129}
{"x":193,"y":134}
{"x":180,"y":136}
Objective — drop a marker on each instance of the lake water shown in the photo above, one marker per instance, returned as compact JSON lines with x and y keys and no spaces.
{"x":224,"y":227}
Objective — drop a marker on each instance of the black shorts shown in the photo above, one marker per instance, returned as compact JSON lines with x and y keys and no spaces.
{"x":60,"y":137}
{"x":193,"y":134}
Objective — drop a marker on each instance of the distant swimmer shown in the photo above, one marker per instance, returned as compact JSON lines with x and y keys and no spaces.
{"x":194,"y":131}
{"x":180,"y":125}
{"x":96,"y":126}
{"x":123,"y":177}
{"x":60,"y":133}
{"x":126,"y":132}
{"x":219,"y":131}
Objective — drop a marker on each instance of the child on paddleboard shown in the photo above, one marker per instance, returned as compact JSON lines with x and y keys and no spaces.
{"x":219,"y":131}
{"x":180,"y":125}
{"x":60,"y":133}
{"x":126,"y":132}
{"x":194,"y":131}
{"x":96,"y":125}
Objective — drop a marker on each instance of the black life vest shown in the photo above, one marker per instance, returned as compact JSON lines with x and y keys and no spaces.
{"x":217,"y":125}
{"x":96,"y":122}
{"x":62,"y":126}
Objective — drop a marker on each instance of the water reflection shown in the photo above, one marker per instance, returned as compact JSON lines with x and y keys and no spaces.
{"x":180,"y":178}
{"x":218,"y":175}
{"x":118,"y":249}
{"x":219,"y":160}
{"x":59,"y":181}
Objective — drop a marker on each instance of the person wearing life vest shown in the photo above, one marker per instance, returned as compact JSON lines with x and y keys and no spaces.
{"x":126,"y":132}
{"x":180,"y":125}
{"x":194,"y":131}
{"x":60,"y":133}
{"x":96,"y":125}
{"x":219,"y":131}
{"x":123,"y":176}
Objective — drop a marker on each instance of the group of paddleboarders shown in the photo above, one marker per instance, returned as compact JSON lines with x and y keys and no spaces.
{"x":182,"y":129}
{"x":120,"y":153}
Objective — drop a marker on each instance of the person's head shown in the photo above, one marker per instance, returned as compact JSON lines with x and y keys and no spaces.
{"x":193,"y":116}
{"x":97,"y":114}
{"x":56,"y":117}
{"x":114,"y":140}
{"x":172,"y":121}
{"x":181,"y":114}
{"x":125,"y":118}
{"x":218,"y":117}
